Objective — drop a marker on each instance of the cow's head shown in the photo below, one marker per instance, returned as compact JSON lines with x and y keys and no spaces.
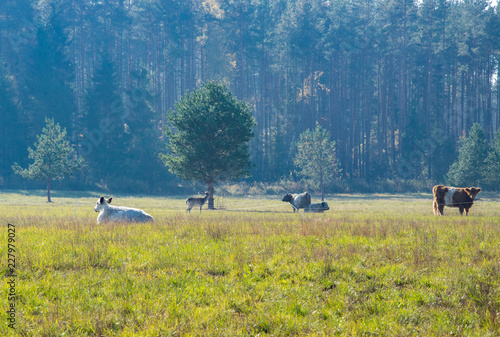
{"x":324,"y":205}
{"x":288,"y":198}
{"x":472,"y":192}
{"x":101,"y":203}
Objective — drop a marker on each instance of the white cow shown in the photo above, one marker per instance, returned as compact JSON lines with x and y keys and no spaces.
{"x":108,"y":213}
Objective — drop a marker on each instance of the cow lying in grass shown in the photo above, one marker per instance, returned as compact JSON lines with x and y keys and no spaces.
{"x":319,"y":207}
{"x":108,"y":213}
{"x":463,"y":198}
{"x":298,"y":201}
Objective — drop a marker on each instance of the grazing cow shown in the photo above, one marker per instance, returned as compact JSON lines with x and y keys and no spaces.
{"x":298,"y":201}
{"x":191,"y":202}
{"x":108,"y":213}
{"x":319,"y":207}
{"x":463,"y":198}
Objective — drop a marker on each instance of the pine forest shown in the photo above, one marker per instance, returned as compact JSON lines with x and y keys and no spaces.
{"x":397,"y":84}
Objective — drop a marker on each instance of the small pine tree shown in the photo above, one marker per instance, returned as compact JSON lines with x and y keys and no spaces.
{"x":53,"y":156}
{"x":469,"y":170}
{"x":316,"y":158}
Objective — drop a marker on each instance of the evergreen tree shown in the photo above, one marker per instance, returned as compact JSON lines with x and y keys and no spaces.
{"x":15,"y":22}
{"x":443,"y":154}
{"x":49,"y":74}
{"x":208,"y":136}
{"x":413,"y":155}
{"x":468,"y":170}
{"x":142,"y":126}
{"x":12,"y":128}
{"x":106,"y":141}
{"x":492,"y":166}
{"x":316,"y":158}
{"x":53,"y":157}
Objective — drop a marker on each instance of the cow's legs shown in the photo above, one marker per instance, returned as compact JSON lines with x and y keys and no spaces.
{"x":440,"y":209}
{"x":438,"y":206}
{"x":461,"y":209}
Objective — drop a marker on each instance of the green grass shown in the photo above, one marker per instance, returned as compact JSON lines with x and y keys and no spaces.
{"x":372,"y":265}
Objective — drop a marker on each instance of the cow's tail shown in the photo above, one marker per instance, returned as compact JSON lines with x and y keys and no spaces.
{"x":434,"y":202}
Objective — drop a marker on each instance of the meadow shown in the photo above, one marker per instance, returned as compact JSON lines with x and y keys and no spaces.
{"x":372,"y":265}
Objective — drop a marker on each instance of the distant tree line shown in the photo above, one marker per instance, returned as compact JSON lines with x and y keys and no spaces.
{"x":395,"y":83}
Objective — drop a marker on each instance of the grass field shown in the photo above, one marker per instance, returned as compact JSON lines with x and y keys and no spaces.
{"x":372,"y":265}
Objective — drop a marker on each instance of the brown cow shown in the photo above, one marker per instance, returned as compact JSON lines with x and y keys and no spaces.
{"x":463,"y":198}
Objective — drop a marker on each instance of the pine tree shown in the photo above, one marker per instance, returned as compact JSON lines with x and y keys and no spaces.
{"x":12,"y":128}
{"x":142,"y":125}
{"x":492,"y":166}
{"x":208,"y":136}
{"x":105,"y":139}
{"x":53,"y":157}
{"x":49,"y":74}
{"x":316,"y":158}
{"x":468,"y":170}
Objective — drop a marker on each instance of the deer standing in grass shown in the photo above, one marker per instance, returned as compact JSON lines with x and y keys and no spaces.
{"x":191,"y":202}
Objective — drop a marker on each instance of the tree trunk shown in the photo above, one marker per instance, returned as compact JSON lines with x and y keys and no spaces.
{"x":48,"y":191}
{"x":211,"y":195}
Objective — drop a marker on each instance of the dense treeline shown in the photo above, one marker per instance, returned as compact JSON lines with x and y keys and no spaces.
{"x":397,"y":83}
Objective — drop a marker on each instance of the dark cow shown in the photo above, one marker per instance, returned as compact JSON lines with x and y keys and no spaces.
{"x":298,"y":201}
{"x":463,"y":198}
{"x":319,"y":207}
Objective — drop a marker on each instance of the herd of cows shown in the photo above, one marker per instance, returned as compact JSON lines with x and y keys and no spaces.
{"x":462,"y":198}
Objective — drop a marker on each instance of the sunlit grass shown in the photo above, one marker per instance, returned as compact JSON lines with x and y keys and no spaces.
{"x":372,"y":265}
